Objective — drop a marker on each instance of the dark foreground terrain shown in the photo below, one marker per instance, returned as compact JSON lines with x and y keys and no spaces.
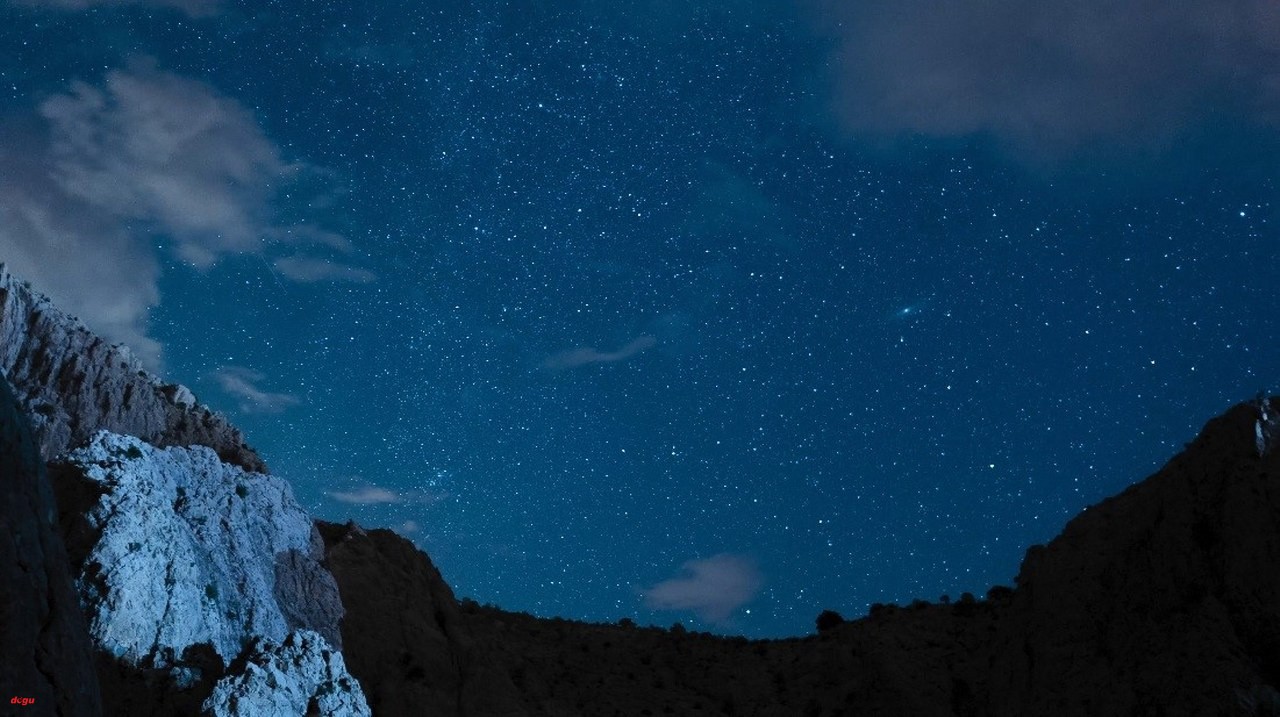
{"x":1162,"y":601}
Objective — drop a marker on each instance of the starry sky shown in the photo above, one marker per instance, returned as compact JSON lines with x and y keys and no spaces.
{"x":721,"y":312}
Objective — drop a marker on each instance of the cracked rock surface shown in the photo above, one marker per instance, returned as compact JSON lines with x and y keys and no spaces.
{"x":176,"y":549}
{"x":302,"y":675}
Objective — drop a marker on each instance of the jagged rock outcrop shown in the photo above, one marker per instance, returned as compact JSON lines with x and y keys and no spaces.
{"x":72,"y":384}
{"x":302,"y":675}
{"x":404,"y":637}
{"x":45,"y":652}
{"x":176,"y":548}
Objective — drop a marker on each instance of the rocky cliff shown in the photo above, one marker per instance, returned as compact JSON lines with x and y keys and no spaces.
{"x":184,"y":562}
{"x":72,"y":384}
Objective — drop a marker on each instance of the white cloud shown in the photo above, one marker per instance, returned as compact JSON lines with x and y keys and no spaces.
{"x":243,"y":383}
{"x":170,"y":152}
{"x":588,"y":355}
{"x":89,"y":183}
{"x":713,"y":588}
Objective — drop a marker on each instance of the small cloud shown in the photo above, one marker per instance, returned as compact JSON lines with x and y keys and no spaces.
{"x":243,"y":382}
{"x":367,"y":495}
{"x":583,"y":356}
{"x":408,"y":527}
{"x":194,"y":8}
{"x":307,"y":270}
{"x":712,"y":588}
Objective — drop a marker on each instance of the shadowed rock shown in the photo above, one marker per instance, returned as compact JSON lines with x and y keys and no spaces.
{"x":403,"y":635}
{"x":45,"y":652}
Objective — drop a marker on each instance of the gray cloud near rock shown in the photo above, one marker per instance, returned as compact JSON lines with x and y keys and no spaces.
{"x":1049,"y":78}
{"x":712,"y":588}
{"x":92,"y":179}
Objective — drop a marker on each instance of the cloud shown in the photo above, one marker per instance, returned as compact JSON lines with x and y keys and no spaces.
{"x":583,"y":356}
{"x":168,"y":151}
{"x":1050,"y":78}
{"x":368,"y":495}
{"x":307,"y":270}
{"x":89,"y":265}
{"x":713,"y":588}
{"x":242,"y":383}
{"x":408,"y":527}
{"x":372,"y":495}
{"x":194,"y":8}
{"x":90,"y":180}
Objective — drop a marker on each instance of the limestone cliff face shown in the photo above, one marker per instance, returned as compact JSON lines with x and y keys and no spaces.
{"x":302,"y":675}
{"x":184,"y":561}
{"x":72,"y":384}
{"x":45,"y":654}
{"x":185,"y":549}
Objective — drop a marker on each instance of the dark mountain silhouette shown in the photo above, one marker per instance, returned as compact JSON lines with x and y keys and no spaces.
{"x":1164,"y":600}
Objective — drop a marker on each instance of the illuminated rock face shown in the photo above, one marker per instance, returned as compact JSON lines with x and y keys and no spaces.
{"x":72,"y":383}
{"x":178,"y":549}
{"x":299,"y":676}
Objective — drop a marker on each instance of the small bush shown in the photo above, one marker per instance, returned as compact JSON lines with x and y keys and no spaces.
{"x":828,"y":620}
{"x":1000,"y":594}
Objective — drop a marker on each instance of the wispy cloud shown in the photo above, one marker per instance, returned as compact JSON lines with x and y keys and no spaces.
{"x":243,"y":383}
{"x":712,"y":588}
{"x":307,"y":270}
{"x":367,"y":495}
{"x":194,"y":8}
{"x":583,"y":356}
{"x":1050,"y":77}
{"x":370,"y":494}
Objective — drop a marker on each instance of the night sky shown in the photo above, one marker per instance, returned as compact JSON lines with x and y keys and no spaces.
{"x":715,"y":312}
